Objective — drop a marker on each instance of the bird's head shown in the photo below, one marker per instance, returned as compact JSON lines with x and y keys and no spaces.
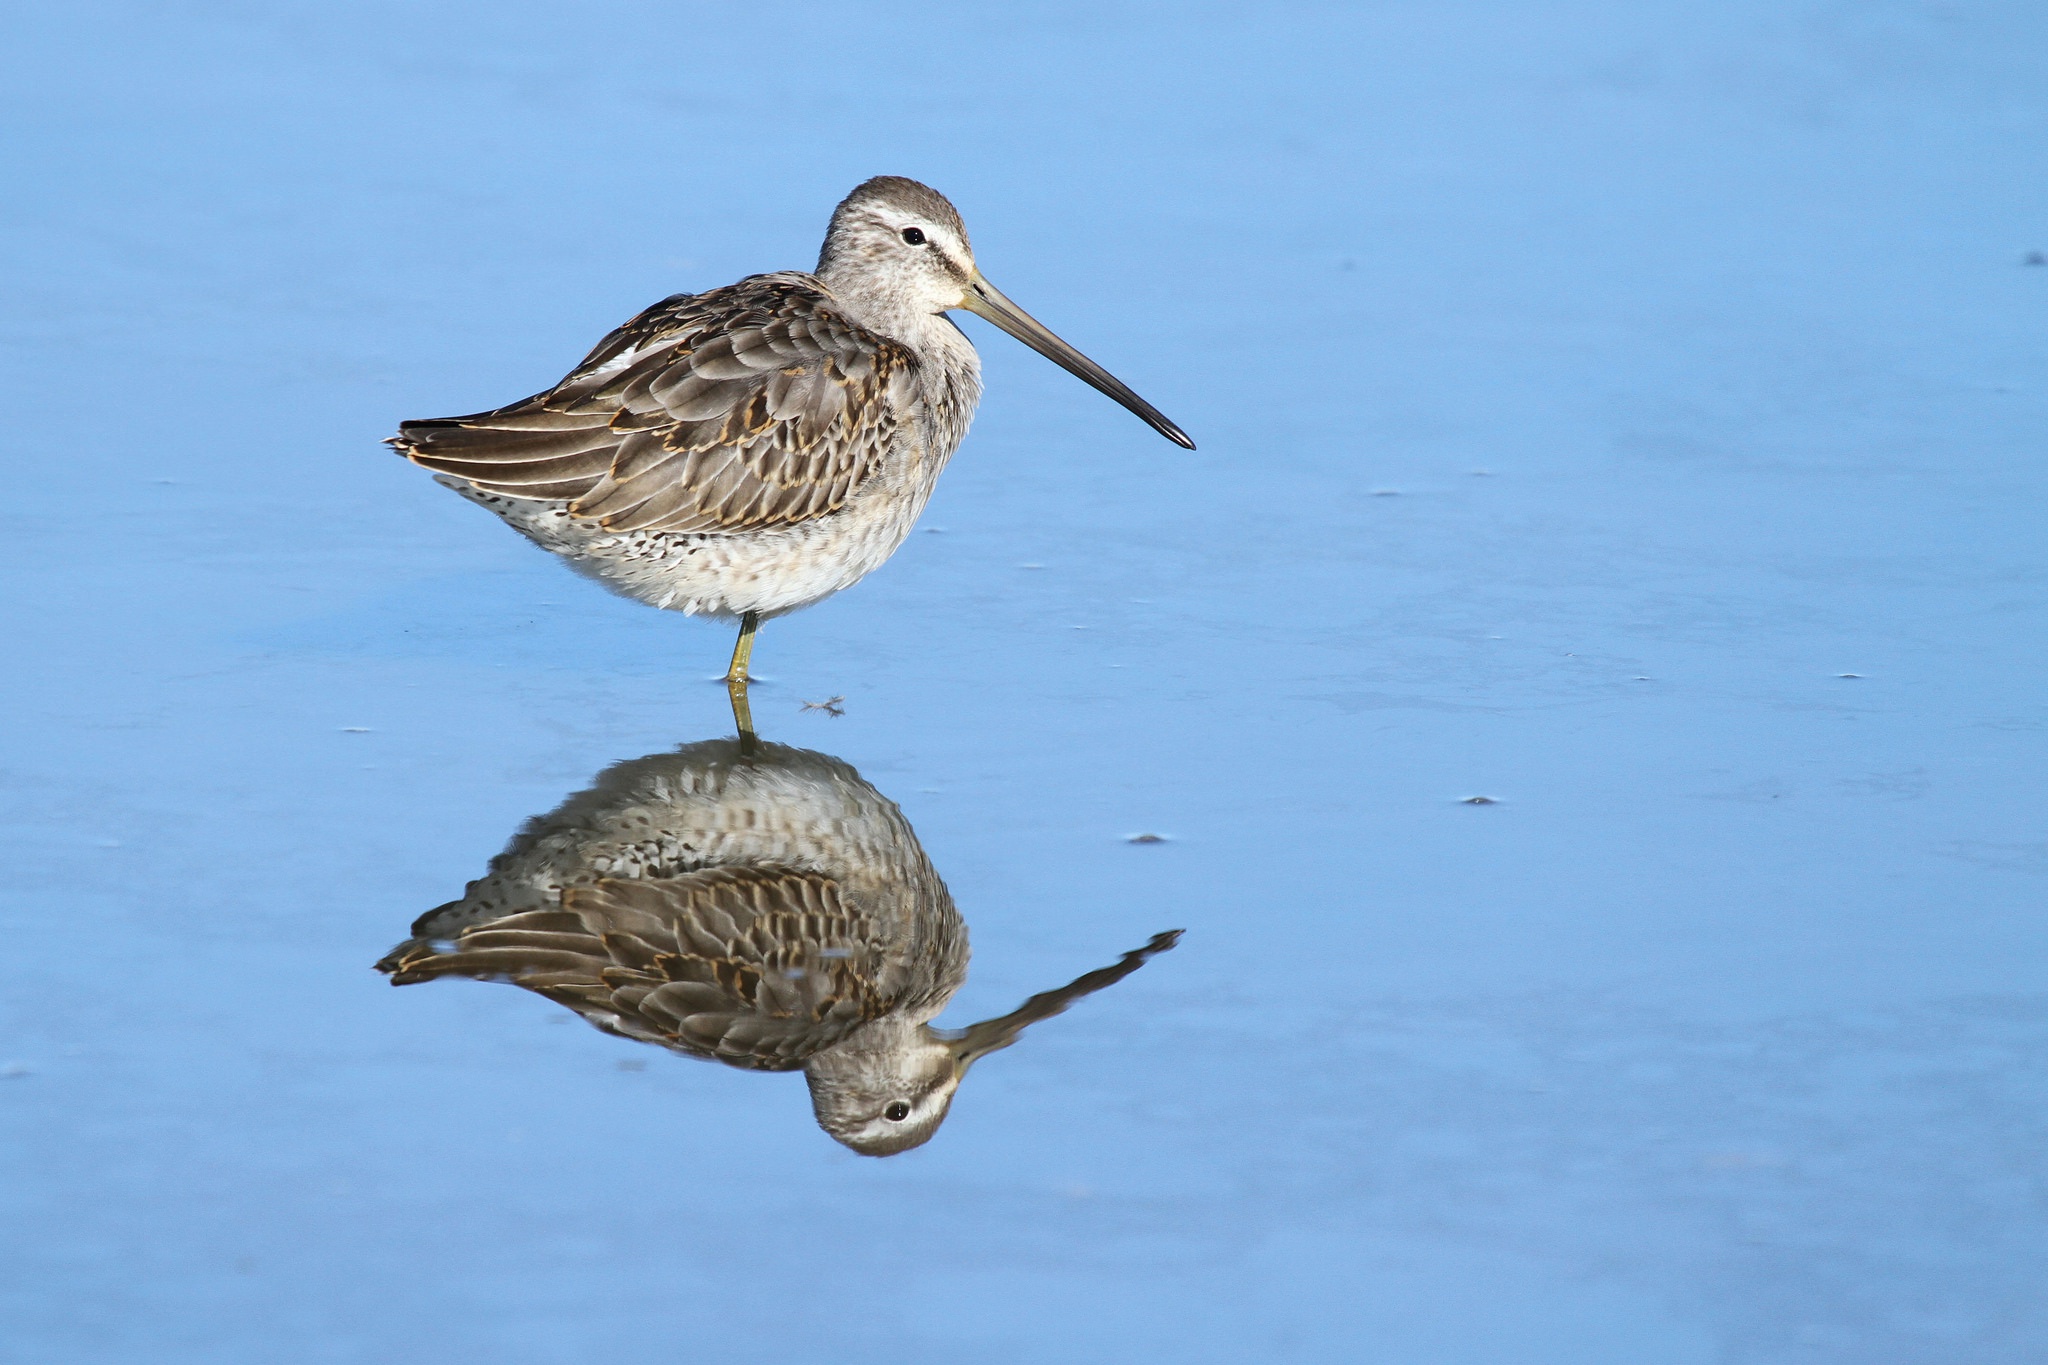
{"x":897,"y":241}
{"x":887,"y":1088}
{"x":897,"y":250}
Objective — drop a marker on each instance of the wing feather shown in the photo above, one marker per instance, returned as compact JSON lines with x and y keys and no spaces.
{"x":756,"y":967}
{"x":747,"y":407}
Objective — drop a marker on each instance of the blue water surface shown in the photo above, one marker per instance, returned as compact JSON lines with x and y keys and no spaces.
{"x":1627,"y":412}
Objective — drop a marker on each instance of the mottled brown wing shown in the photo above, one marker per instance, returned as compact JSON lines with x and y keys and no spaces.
{"x":751,"y":406}
{"x":759,"y":968}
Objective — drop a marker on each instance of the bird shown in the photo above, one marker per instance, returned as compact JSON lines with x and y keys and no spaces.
{"x":761,"y":906}
{"x":751,"y":450}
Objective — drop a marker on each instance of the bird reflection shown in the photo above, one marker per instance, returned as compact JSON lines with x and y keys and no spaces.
{"x":761,"y":907}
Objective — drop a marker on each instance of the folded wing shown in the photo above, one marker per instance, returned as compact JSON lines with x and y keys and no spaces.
{"x":747,"y":407}
{"x":759,"y":968}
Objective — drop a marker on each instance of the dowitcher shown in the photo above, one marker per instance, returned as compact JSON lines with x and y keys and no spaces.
{"x":762,"y":907}
{"x":751,"y":450}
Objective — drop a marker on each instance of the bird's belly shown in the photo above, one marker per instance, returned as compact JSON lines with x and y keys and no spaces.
{"x":772,"y":571}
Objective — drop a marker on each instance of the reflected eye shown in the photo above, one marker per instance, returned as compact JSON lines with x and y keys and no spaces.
{"x":914,"y":236}
{"x":898,"y":1111}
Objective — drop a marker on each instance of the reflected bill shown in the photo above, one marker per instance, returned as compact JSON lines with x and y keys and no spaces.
{"x":771,"y":911}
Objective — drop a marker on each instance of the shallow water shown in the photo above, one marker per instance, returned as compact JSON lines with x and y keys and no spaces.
{"x":1625,"y":413}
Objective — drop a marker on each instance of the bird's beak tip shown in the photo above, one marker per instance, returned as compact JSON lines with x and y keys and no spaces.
{"x":985,"y":300}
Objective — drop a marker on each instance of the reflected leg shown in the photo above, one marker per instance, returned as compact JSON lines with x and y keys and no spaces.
{"x":736,"y":680}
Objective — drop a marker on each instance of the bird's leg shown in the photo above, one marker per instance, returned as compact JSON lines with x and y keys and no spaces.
{"x":736,"y":680}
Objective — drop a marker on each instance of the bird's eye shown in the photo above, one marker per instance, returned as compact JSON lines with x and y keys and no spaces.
{"x":898,"y":1111}
{"x":914,"y":236}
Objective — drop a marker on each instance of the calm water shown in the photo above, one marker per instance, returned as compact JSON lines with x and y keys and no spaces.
{"x":1627,"y":413}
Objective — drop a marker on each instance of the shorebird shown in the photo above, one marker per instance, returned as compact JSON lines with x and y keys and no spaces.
{"x":758,"y":906}
{"x":751,"y":450}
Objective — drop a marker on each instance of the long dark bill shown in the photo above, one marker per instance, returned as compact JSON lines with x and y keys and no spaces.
{"x":993,"y":1035}
{"x":985,"y":300}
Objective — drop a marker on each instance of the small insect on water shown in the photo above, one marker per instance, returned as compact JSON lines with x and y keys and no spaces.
{"x":830,"y":706}
{"x":748,"y":451}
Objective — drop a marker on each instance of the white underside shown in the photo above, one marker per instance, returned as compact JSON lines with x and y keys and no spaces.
{"x":670,"y":814}
{"x":723,"y":575}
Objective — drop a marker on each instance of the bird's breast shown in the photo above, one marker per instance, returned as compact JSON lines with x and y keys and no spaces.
{"x":952,"y":388}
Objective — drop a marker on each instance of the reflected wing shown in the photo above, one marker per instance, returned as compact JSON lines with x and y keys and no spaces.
{"x":757,"y":967}
{"x":755,"y":405}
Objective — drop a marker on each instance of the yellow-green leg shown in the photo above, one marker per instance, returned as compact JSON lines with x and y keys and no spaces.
{"x":736,"y":680}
